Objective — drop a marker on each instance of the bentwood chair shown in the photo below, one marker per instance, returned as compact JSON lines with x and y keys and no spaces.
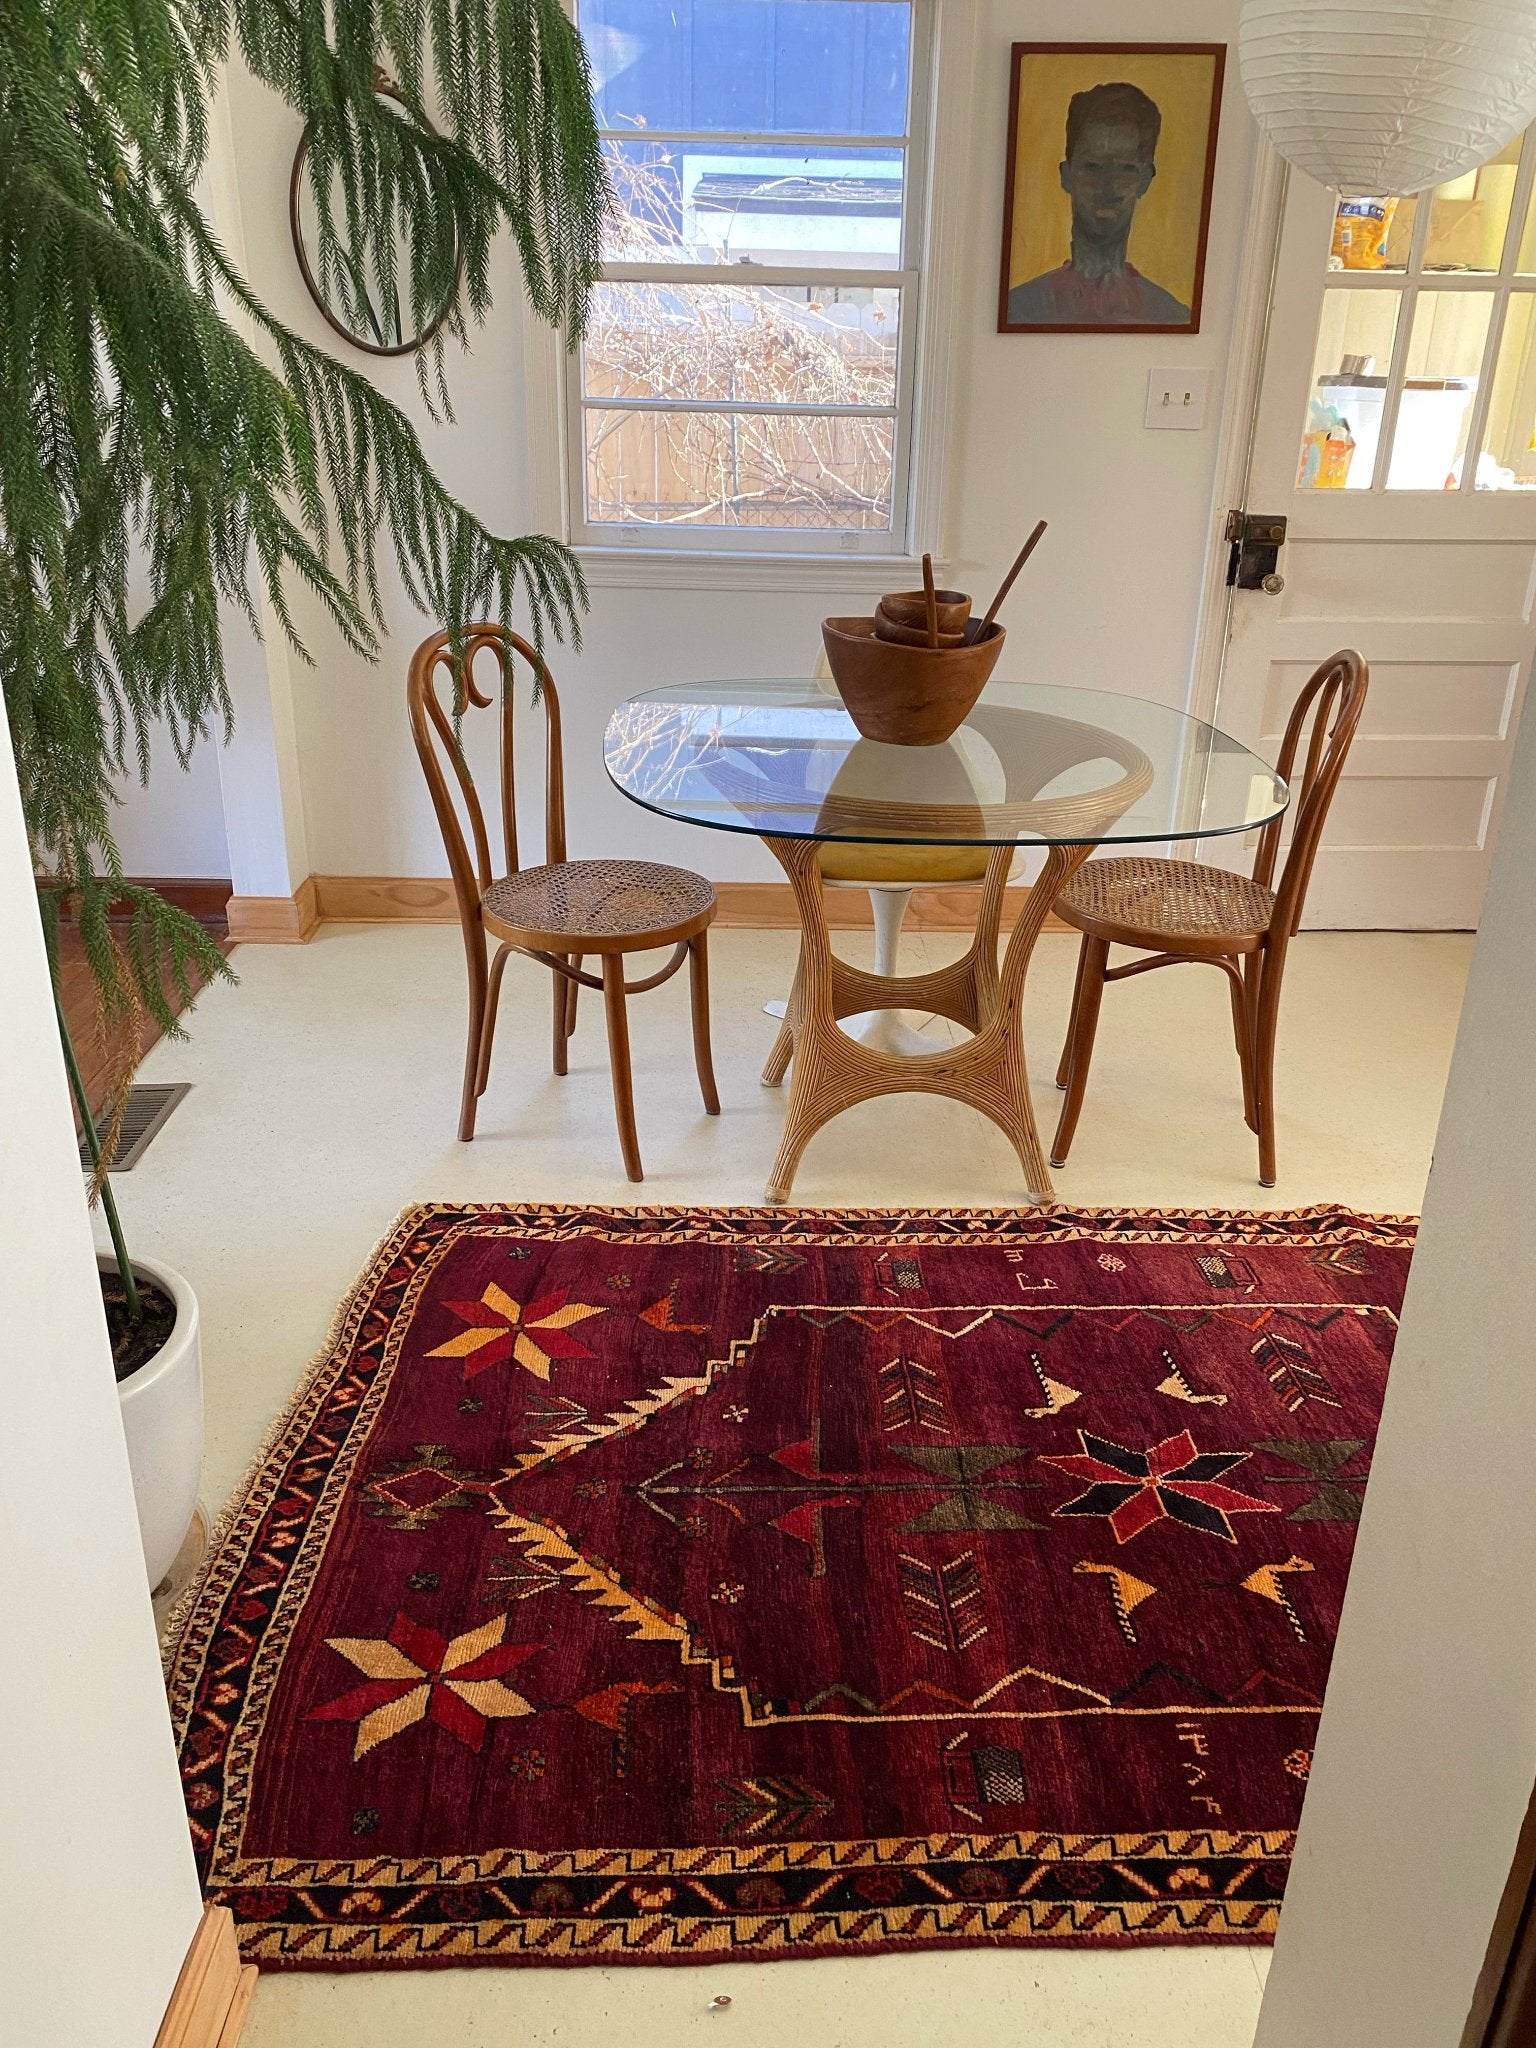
{"x":563,"y":910}
{"x":1180,"y":910}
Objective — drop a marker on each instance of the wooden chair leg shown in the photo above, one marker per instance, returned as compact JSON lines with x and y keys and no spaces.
{"x":1064,"y":1070}
{"x":1242,"y":1031}
{"x":572,"y":991}
{"x":475,"y":958}
{"x":1266,"y":1009}
{"x":698,"y":992}
{"x":488,"y":1027}
{"x":562,"y":1009}
{"x":618,"y":1061}
{"x":1080,"y":1047}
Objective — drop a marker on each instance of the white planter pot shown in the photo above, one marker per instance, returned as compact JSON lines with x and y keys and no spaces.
{"x":162,"y":1407}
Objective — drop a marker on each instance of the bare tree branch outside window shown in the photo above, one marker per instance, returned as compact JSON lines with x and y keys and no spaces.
{"x":718,"y":345}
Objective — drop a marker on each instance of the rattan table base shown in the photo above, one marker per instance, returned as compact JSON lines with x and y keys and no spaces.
{"x":832,"y":1071}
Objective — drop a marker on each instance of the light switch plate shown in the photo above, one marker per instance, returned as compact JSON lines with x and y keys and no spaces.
{"x":1176,"y":399}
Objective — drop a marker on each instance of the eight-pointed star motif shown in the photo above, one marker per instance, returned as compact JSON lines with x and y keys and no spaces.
{"x":414,"y":1673}
{"x":500,"y":1327}
{"x":1133,"y":1489}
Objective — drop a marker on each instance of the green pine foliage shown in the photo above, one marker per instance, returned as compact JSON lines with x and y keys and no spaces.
{"x":169,"y":450}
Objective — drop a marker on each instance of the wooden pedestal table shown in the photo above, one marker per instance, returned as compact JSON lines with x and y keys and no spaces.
{"x":1060,"y":771}
{"x":833,"y":1071}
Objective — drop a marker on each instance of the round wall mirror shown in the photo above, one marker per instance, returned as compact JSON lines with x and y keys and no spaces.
{"x":368,"y":305}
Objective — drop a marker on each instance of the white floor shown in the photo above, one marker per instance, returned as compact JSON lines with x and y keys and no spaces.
{"x":325,"y":1100}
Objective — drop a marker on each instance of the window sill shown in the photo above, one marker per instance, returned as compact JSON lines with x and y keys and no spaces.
{"x":636,"y":568}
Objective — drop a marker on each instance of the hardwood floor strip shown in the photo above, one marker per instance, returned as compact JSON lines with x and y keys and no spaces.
{"x":213,"y":1993}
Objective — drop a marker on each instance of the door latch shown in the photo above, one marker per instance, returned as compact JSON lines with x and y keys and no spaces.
{"x":1256,"y":540}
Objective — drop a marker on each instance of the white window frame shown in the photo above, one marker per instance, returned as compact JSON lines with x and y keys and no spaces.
{"x":936,"y":144}
{"x":1411,"y":284}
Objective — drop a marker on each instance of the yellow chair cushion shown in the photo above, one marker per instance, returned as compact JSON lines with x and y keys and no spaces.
{"x":845,"y":861}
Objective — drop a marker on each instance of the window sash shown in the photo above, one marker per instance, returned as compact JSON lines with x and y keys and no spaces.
{"x":767,"y":138}
{"x":638,"y":535}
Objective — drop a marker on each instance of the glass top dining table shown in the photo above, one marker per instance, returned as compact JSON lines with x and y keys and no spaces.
{"x":1034,"y":766}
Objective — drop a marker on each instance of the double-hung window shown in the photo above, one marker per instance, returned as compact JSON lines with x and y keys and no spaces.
{"x":746,"y":379}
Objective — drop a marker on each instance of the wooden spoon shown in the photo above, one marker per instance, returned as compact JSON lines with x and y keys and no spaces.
{"x":931,"y":601}
{"x":976,"y":632}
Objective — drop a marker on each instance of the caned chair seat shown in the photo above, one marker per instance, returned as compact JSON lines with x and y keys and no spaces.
{"x":598,"y":906}
{"x":1168,"y":903}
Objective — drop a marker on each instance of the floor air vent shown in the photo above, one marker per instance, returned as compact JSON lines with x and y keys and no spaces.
{"x":149,"y":1104}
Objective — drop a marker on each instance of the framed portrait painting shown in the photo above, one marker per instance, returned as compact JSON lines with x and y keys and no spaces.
{"x":1111,"y":154}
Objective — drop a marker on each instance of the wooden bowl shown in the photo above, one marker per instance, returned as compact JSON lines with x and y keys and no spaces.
{"x":887,"y":628}
{"x":907,"y":696}
{"x":910,"y":608}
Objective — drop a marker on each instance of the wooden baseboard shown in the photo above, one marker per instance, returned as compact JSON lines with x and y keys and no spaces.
{"x":385,"y":899}
{"x":213,"y":1993}
{"x":746,"y":906}
{"x":276,"y":920}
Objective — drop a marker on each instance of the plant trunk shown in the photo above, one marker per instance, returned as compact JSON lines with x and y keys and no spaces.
{"x":103,"y":1183}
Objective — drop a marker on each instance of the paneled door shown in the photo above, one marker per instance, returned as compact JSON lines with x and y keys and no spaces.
{"x":1395,"y":430}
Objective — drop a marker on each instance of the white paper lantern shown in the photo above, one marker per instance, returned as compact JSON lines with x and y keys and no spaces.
{"x":1389,"y":96}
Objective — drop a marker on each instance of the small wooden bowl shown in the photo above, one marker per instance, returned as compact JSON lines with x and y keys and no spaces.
{"x":907,"y":696}
{"x":887,"y":628}
{"x":910,"y":608}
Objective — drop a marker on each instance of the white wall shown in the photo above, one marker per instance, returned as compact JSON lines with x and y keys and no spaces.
{"x":174,"y":827}
{"x":1427,"y":1752}
{"x":1044,"y":425}
{"x":98,"y":1895}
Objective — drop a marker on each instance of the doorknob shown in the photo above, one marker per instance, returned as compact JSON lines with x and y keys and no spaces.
{"x":1257,"y":538}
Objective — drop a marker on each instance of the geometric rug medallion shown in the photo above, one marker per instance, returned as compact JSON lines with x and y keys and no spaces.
{"x":686,"y":1585}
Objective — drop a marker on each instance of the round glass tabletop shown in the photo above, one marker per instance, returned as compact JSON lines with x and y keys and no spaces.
{"x":1032,"y":765}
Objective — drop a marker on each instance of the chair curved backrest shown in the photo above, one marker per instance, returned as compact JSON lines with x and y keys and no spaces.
{"x":436,"y":731}
{"x":1326,"y":714}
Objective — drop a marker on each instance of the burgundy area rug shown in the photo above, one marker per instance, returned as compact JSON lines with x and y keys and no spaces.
{"x":690,"y":1585}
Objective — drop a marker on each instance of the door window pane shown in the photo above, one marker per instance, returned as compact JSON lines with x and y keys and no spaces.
{"x":1349,"y":383}
{"x":795,"y":67}
{"x":1445,"y":359}
{"x":752,"y":344}
{"x":1508,"y":461}
{"x":689,"y":469}
{"x":1372,"y":234}
{"x":1400,"y":233}
{"x":703,"y":202}
{"x":1469,"y":217}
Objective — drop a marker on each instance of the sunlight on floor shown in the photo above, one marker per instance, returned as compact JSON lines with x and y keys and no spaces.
{"x":325,"y":1100}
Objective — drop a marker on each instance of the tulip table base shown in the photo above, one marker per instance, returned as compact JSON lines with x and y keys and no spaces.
{"x":833,"y":1071}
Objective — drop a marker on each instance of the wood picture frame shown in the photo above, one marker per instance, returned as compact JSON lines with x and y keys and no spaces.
{"x":1092,"y":128}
